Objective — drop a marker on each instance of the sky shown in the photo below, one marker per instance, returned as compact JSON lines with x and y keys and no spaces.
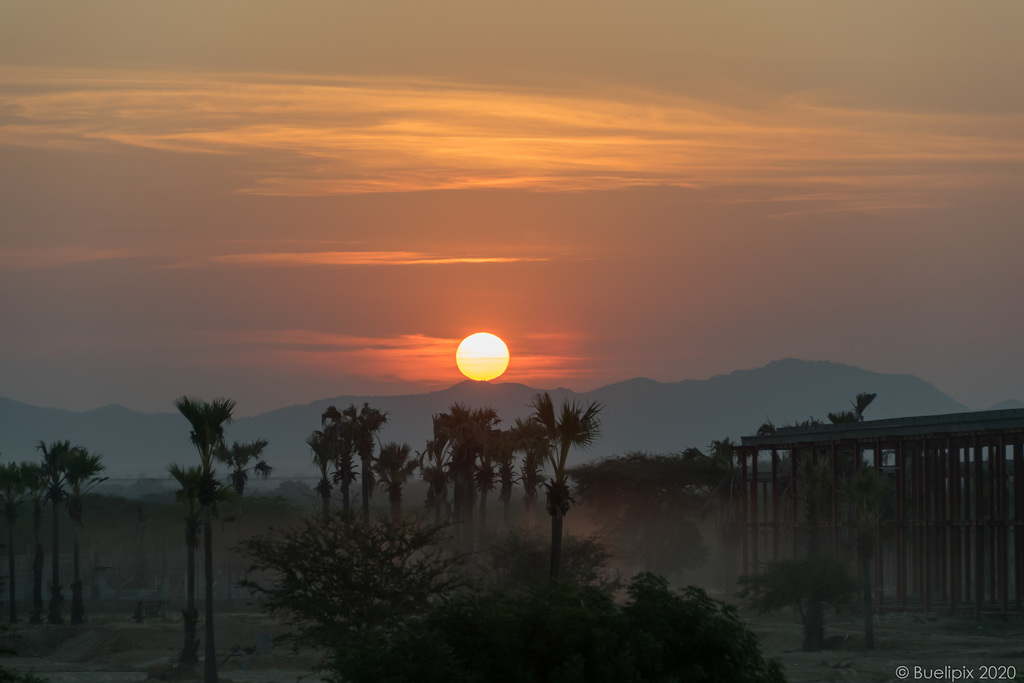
{"x":280,"y":202}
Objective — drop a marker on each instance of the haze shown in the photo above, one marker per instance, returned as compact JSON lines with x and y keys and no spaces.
{"x":278,"y":202}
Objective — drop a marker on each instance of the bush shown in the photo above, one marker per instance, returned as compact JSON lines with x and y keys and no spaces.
{"x":563,"y":633}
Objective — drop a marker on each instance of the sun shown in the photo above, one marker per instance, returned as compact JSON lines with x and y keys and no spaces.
{"x":482,"y":356}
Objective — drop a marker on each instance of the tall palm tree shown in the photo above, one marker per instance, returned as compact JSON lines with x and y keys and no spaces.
{"x":365,"y":422}
{"x":35,"y":484}
{"x":504,"y":458}
{"x":80,"y":470}
{"x":189,"y":479}
{"x":393,"y":468}
{"x":869,"y":493}
{"x":12,"y":491}
{"x":468,"y":431}
{"x":531,"y":440}
{"x":323,"y":456}
{"x":207,"y":420}
{"x":434,"y":469}
{"x":54,"y":461}
{"x":339,"y":430}
{"x":574,"y":426}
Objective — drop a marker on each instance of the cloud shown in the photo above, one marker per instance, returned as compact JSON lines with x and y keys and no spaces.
{"x":305,"y":136}
{"x":49,"y":257}
{"x":358,"y":258}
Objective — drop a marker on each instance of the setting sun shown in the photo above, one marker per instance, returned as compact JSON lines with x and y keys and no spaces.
{"x":482,"y":356}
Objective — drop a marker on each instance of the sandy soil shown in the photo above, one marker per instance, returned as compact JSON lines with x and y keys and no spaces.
{"x":117,"y":649}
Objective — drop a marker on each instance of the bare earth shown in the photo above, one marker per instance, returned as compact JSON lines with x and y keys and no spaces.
{"x":117,"y":649}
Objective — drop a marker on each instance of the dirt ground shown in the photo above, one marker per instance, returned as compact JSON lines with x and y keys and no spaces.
{"x":118,"y":649}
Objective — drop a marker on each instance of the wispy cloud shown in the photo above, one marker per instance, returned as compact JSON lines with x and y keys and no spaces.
{"x":358,"y":258}
{"x":47,"y":257}
{"x":306,"y":136}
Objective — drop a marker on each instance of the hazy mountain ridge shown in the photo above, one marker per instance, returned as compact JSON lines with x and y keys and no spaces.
{"x":639,"y":414}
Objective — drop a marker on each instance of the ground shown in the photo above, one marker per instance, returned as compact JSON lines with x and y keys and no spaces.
{"x":115,"y":648}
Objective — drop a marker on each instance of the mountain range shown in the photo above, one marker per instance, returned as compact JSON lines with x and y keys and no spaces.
{"x":638,"y":415}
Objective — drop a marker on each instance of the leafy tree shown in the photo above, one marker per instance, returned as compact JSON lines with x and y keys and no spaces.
{"x":393,"y":468}
{"x":574,"y":426}
{"x":562,"y":633}
{"x":207,"y":420}
{"x":648,"y":502}
{"x":869,"y":492}
{"x":521,"y":559}
{"x":12,"y":492}
{"x":53,"y":468}
{"x":802,"y":584}
{"x":335,"y":581}
{"x":81,"y":470}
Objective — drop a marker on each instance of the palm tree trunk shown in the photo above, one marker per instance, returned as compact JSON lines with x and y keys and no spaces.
{"x":483,"y":516}
{"x":365,"y":479}
{"x":10,"y":569}
{"x":77,"y":604}
{"x":210,"y":656}
{"x":346,"y":496}
{"x":869,"y":616}
{"x":396,"y":505}
{"x":556,"y":540}
{"x":55,"y":597}
{"x":507,"y":510}
{"x":190,"y":651}
{"x":37,"y":566}
{"x":325,"y":501}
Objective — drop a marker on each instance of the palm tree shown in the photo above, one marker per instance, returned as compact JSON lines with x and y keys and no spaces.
{"x":189,"y":479}
{"x":860,"y":404}
{"x":54,"y":459}
{"x":504,"y":457}
{"x":577,"y":426}
{"x":80,"y":470}
{"x":434,"y":469}
{"x":531,"y":440}
{"x":242,"y":459}
{"x":365,"y":424}
{"x":207,"y":420}
{"x":323,"y":456}
{"x":467,"y":430}
{"x":339,"y":430}
{"x":35,"y":484}
{"x":869,"y":493}
{"x":12,"y":491}
{"x":393,"y":468}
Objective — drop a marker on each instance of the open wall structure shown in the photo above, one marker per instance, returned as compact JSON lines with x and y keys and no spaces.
{"x":951,"y":534}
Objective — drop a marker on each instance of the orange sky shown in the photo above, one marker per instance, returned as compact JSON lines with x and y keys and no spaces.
{"x":281,"y":203}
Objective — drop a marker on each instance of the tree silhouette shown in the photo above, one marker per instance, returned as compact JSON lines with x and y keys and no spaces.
{"x":365,"y":423}
{"x":207,"y":420}
{"x":393,"y":468}
{"x":35,"y":484}
{"x":434,"y":470}
{"x":81,"y":470}
{"x":575,"y":426}
{"x":12,"y":492}
{"x":530,"y":439}
{"x":54,"y":458}
{"x":869,"y":493}
{"x":189,"y":479}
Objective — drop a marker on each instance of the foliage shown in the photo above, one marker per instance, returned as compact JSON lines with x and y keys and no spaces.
{"x":798,"y":583}
{"x":336,"y":578}
{"x":521,"y":559}
{"x":563,"y":633}
{"x":648,"y":503}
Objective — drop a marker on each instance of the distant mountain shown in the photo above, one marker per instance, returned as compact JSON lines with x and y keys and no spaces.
{"x":639,"y":414}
